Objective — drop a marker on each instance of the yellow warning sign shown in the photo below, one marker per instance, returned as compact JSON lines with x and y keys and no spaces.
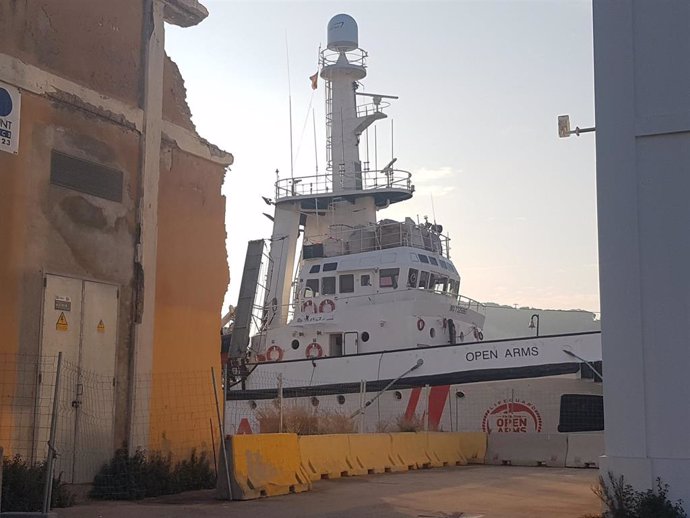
{"x":100,"y":327}
{"x":61,"y":324}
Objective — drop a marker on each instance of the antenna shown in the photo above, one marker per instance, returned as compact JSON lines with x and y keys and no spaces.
{"x":392,"y":154}
{"x":287,"y":57}
{"x":433,"y":211}
{"x":316,"y":154}
{"x":376,"y":152}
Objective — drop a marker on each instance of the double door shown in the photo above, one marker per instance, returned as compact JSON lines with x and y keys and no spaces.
{"x":80,"y":320}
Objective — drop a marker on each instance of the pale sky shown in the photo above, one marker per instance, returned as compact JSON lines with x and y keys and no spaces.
{"x":480,"y":84}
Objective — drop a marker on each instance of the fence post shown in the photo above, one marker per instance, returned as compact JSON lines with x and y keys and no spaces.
{"x":2,"y":453}
{"x":52,"y":452}
{"x":221,"y":427}
{"x":362,"y":400}
{"x":426,"y":407}
{"x":280,"y":402}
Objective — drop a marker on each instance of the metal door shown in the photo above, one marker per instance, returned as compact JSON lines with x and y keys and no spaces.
{"x":60,"y":332}
{"x":351,"y":345}
{"x":80,"y":320}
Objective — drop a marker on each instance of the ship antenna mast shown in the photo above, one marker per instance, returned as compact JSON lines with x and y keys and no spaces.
{"x":287,"y":57}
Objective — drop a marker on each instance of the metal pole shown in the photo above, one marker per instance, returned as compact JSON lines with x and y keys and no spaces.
{"x":362,"y":398}
{"x":426,"y":409}
{"x":280,"y":402}
{"x":213,"y":444}
{"x":52,"y":452}
{"x":221,"y":427}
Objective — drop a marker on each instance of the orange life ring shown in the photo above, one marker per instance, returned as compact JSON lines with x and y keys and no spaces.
{"x":326,"y":302}
{"x":311,"y":347}
{"x":272,"y":352}
{"x":420,"y":324}
{"x":308,"y":304}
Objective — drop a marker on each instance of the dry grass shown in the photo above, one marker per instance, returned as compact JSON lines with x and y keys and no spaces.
{"x":303,"y":420}
{"x":413,"y":424}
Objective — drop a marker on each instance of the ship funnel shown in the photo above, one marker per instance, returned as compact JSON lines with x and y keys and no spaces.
{"x":342,"y":33}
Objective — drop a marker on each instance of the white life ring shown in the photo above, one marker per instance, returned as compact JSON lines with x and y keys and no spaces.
{"x":324,"y":303}
{"x":274,"y":354}
{"x":308,"y":304}
{"x":309,"y":353}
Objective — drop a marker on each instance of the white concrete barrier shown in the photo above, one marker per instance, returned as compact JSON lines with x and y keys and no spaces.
{"x":584,"y":449}
{"x":527,"y":449}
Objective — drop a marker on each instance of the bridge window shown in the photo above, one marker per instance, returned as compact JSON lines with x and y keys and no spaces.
{"x":312,"y":289}
{"x":388,"y":278}
{"x":365,"y":280}
{"x":330,"y":267}
{"x":424,"y":258}
{"x":433,"y":261}
{"x":443,"y":264}
{"x":315,"y":268}
{"x":423,"y":280}
{"x":414,"y":258}
{"x":412,"y":276}
{"x":328,"y":286}
{"x":432,"y":281}
{"x":347,"y":283}
{"x":440,"y":284}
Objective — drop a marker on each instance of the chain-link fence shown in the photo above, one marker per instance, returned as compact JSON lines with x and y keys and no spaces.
{"x":267,"y":402}
{"x":156,"y":434}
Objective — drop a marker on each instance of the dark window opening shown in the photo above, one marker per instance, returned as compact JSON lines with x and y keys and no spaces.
{"x":412,"y":276}
{"x":423,"y":280}
{"x":312,"y":289}
{"x":424,"y":258}
{"x":581,"y":413}
{"x":328,"y":285}
{"x":335,"y":345}
{"x":347,"y":283}
{"x":365,"y":280}
{"x":315,"y":268}
{"x":365,"y":336}
{"x":330,"y":267}
{"x":433,"y":261}
{"x":388,"y":278}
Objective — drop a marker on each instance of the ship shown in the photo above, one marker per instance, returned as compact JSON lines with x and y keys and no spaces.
{"x":349,"y":319}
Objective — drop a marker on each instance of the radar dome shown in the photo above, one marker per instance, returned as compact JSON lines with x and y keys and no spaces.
{"x":342,"y":33}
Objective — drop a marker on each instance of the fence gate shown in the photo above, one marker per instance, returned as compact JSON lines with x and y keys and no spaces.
{"x":80,"y":320}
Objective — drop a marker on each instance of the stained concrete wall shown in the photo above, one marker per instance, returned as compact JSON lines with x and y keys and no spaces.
{"x":97,"y":44}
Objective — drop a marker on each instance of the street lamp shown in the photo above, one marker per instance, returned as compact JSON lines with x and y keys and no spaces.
{"x":589,"y":364}
{"x":531,"y":322}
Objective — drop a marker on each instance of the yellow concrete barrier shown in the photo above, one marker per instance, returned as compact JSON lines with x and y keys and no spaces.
{"x":410,"y":450}
{"x":372,"y":453}
{"x":473,"y":446}
{"x":445,"y":449}
{"x":326,"y":456}
{"x":264,"y":465}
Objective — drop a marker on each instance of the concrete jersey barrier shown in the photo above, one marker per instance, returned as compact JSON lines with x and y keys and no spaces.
{"x":584,"y":449}
{"x":527,"y":449}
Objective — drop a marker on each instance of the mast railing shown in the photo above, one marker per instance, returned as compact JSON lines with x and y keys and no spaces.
{"x":323,"y":183}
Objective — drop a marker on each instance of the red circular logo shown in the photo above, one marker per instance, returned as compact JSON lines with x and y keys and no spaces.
{"x":508,"y":416}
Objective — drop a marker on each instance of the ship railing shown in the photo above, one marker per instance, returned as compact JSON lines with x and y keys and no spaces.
{"x":356,"y":57}
{"x":347,"y":240}
{"x":370,"y":108}
{"x":371,"y":180}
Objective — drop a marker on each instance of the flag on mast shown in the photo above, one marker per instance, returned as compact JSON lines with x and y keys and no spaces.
{"x":314,"y":81}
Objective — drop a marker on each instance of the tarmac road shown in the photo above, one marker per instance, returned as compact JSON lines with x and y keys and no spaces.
{"x":460,"y":492}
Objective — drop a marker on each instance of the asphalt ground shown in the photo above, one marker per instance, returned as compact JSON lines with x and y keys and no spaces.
{"x":459,"y":492}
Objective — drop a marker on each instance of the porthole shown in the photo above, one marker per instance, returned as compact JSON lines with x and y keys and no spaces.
{"x":459,"y":394}
{"x":252,"y":405}
{"x":315,"y":401}
{"x":432,"y":332}
{"x":341,"y":399}
{"x":295,"y":344}
{"x":397,"y":394}
{"x":365,"y":336}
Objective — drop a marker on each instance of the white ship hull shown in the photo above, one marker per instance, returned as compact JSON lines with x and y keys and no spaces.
{"x":501,"y":386}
